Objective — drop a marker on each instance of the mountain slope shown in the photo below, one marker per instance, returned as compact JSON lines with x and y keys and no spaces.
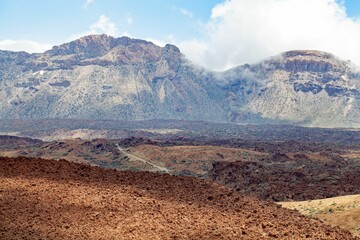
{"x":309,"y":88}
{"x":101,"y":77}
{"x":45,"y":199}
{"x":341,"y":211}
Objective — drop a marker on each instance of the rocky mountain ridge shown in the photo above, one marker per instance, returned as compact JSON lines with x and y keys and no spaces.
{"x":101,"y":77}
{"x":308,"y":88}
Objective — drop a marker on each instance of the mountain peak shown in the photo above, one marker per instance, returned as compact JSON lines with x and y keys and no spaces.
{"x":90,"y":41}
{"x":95,"y":37}
{"x":103,"y":77}
{"x":93,"y":45}
{"x":171,"y":48}
{"x":308,"y":53}
{"x":308,"y":61}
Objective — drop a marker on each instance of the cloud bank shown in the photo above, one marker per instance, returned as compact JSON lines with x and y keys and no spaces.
{"x":243,"y":31}
{"x":87,"y":3}
{"x":103,"y":25}
{"x":24,"y":45}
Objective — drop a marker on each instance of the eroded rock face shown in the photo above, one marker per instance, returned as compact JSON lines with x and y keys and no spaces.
{"x":304,"y":87}
{"x":310,"y":61}
{"x":307,"y":87}
{"x":102,"y":77}
{"x":323,"y":69}
{"x":93,"y":45}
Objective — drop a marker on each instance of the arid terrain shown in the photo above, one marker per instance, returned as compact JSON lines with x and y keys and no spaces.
{"x":285,"y":165}
{"x":273,"y":171}
{"x":42,"y":199}
{"x":341,"y":211}
{"x":226,"y":119}
{"x":193,"y":160}
{"x":281,"y":178}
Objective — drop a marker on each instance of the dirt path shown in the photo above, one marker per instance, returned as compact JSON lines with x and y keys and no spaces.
{"x":136,"y":158}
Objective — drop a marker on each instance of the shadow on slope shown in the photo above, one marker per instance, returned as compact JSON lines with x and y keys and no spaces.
{"x":58,"y":199}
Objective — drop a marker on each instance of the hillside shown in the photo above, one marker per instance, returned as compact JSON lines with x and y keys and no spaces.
{"x":63,"y":200}
{"x":100,"y":77}
{"x":291,"y":176}
{"x":310,"y":88}
{"x":341,"y":211}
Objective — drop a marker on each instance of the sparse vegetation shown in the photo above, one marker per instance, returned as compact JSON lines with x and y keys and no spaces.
{"x":341,"y":211}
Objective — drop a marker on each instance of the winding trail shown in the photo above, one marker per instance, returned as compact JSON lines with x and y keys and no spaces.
{"x":136,"y":158}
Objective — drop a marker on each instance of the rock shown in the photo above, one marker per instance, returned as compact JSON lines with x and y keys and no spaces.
{"x":102,"y":77}
{"x":307,"y":87}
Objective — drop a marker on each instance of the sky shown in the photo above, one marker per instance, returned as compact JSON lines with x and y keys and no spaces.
{"x":216,"y":34}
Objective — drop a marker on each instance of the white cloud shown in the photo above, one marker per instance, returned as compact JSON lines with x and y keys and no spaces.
{"x":129,"y":20}
{"x":186,"y":12}
{"x":194,"y":50}
{"x":103,"y":25}
{"x":24,"y":45}
{"x":126,"y":34}
{"x":87,"y":3}
{"x":243,"y":31}
{"x":162,"y":42}
{"x":157,"y":42}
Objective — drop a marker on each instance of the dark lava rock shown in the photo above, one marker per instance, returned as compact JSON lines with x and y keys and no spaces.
{"x":307,"y":87}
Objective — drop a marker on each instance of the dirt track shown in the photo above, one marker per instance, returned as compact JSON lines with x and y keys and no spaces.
{"x":42,"y":199}
{"x":132,"y":157}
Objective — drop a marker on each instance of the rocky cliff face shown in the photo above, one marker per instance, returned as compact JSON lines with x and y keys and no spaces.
{"x":309,"y":88}
{"x":101,"y":77}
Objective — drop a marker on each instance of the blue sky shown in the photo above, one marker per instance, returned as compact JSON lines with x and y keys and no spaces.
{"x":353,"y":8}
{"x":50,"y":21}
{"x":198,"y":26}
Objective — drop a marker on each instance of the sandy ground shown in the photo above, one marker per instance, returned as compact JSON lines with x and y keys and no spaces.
{"x":341,"y":211}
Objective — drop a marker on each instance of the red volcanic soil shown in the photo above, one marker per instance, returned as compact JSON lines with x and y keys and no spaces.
{"x":47,"y":199}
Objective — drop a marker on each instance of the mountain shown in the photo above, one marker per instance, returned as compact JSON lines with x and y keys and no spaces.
{"x":101,"y":77}
{"x":310,"y":88}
